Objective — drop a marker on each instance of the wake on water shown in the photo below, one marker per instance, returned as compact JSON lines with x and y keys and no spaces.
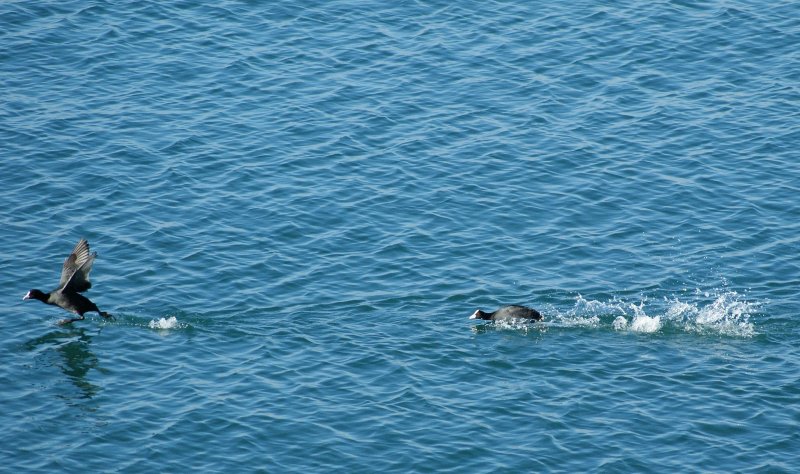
{"x":725,"y":313}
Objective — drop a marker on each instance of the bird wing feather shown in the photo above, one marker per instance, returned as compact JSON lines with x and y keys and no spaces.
{"x":75,"y":273}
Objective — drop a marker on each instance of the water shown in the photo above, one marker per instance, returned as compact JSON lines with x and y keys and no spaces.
{"x":297,"y":206}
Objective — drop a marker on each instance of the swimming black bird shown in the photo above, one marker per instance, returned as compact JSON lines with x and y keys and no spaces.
{"x":508,"y":312}
{"x":74,"y":281}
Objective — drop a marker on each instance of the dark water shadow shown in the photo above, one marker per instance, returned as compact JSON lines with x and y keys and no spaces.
{"x":74,"y":356}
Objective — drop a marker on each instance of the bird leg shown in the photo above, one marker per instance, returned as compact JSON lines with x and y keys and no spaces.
{"x":71,"y":320}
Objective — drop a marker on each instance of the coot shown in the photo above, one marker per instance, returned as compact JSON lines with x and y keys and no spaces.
{"x":74,"y":281}
{"x":508,"y":312}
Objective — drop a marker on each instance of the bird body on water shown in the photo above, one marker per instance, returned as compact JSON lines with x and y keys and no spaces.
{"x":508,"y":313}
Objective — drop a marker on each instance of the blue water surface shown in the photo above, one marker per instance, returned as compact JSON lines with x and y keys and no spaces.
{"x":297,"y":205}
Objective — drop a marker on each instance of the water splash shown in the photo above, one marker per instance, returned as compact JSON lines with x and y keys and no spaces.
{"x":645,"y":324}
{"x":520,"y":325}
{"x":585,"y":313}
{"x":642,"y":322}
{"x":620,"y":323}
{"x":727,"y":314}
{"x":164,"y":323}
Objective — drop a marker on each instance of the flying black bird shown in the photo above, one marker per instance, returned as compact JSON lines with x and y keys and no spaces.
{"x":74,"y":281}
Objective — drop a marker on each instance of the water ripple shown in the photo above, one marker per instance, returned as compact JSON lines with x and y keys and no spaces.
{"x":296,"y":208}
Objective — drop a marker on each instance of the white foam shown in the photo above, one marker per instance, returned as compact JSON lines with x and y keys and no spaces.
{"x":646,"y":324}
{"x":515,"y":325}
{"x":585,"y":313}
{"x":164,"y":323}
{"x":727,"y":313}
{"x":620,"y":323}
{"x":578,"y":322}
{"x":642,"y":322}
{"x":594,"y":307}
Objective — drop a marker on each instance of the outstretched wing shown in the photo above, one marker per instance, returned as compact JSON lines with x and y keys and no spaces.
{"x":75,"y":274}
